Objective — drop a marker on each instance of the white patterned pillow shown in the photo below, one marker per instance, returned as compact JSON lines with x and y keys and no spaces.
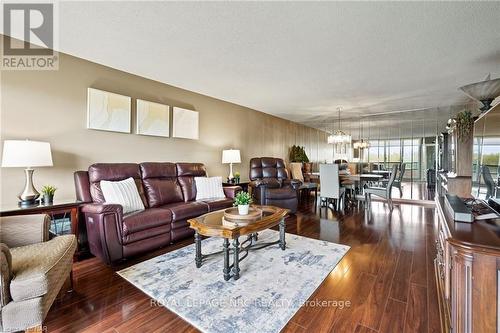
{"x":124,"y":193}
{"x":209,"y":188}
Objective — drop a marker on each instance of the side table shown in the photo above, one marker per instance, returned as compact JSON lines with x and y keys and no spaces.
{"x":58,"y":207}
{"x":242,"y":184}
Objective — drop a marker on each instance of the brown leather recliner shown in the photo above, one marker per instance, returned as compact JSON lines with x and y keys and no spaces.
{"x":271,"y":185}
{"x":168,"y":192}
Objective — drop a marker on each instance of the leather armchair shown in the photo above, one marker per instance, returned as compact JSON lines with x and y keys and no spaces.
{"x":271,"y":185}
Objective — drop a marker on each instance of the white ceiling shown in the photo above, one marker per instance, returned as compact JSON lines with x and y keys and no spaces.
{"x":297,"y":60}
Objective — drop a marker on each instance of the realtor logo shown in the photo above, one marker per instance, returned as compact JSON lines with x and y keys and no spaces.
{"x":29,"y":30}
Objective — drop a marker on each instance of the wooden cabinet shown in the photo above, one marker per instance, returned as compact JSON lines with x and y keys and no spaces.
{"x":467,"y":268}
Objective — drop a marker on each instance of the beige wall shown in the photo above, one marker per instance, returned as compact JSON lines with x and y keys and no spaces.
{"x":51,"y":106}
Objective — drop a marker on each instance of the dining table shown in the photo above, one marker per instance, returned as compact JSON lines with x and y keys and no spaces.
{"x":364,"y":177}
{"x":358,"y":180}
{"x":384,"y":173}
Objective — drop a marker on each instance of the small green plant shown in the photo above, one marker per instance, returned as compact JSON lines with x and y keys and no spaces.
{"x":242,"y":198}
{"x":49,"y":190}
{"x":236,"y":174}
{"x":298,"y":154}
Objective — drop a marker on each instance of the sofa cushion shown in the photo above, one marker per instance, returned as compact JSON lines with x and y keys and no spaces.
{"x":162,"y":191}
{"x":186,"y":173}
{"x":113,"y":172}
{"x":217,"y":204}
{"x":186,"y":210}
{"x":39,"y":266}
{"x":28,"y":313}
{"x":146,"y":219}
{"x":158,"y":170}
{"x":281,"y":193}
{"x":160,"y":183}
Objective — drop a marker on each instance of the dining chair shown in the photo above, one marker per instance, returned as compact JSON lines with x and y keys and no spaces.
{"x":330,"y":184}
{"x":383,"y":192}
{"x":398,"y":181}
{"x":491,"y":187}
{"x":296,"y":170}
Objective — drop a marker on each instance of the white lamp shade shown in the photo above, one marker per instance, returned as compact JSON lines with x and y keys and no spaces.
{"x":231,"y":156}
{"x":26,"y":153}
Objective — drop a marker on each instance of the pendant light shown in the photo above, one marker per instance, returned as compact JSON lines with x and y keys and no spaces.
{"x":361,"y":144}
{"x":339,"y":137}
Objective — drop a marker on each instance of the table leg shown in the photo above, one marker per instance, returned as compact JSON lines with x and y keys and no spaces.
{"x":226,"y":270}
{"x":236,"y":259}
{"x":282,"y":234}
{"x":315,"y":197}
{"x":197,"y":240}
{"x":75,"y":231}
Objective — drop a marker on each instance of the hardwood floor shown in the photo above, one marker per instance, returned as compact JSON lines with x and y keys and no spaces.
{"x":387,"y":277}
{"x":415,"y":191}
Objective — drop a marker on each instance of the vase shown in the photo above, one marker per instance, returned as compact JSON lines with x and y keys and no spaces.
{"x":307,"y":167}
{"x":48,"y":199}
{"x":243,"y":209}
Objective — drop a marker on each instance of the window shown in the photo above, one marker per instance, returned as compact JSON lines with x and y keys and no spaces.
{"x":395,"y":151}
{"x":491,"y":155}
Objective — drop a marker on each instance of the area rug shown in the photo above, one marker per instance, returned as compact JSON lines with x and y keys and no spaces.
{"x":273,"y":284}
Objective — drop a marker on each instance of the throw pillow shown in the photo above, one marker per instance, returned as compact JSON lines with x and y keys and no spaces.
{"x":209,"y":188}
{"x":124,"y":193}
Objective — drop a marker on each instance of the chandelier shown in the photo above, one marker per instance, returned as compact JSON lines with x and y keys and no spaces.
{"x":339,"y":136}
{"x":361,"y":144}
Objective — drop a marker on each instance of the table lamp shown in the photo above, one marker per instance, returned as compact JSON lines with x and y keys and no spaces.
{"x":26,"y":154}
{"x":231,"y":156}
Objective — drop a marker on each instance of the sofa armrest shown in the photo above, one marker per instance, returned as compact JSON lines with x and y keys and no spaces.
{"x":104,"y":230}
{"x":231,"y":191}
{"x":23,"y":230}
{"x":102,"y":209}
{"x":293,"y":183}
{"x":258,"y":191}
{"x":257,"y":183}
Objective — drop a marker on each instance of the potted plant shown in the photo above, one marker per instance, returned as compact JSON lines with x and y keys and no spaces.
{"x":48,"y":194}
{"x":298,"y":155}
{"x":242,"y":200}
{"x":237,"y":177}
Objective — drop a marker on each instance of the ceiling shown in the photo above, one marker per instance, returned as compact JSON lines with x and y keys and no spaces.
{"x":299,"y":60}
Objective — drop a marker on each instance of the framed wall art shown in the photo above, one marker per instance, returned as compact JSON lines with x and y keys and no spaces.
{"x":152,"y":118}
{"x":185,"y":124}
{"x":108,"y":111}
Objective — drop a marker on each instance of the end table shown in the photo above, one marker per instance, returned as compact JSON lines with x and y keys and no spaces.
{"x":58,"y":207}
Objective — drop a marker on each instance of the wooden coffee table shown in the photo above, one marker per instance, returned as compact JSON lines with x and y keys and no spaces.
{"x":211,"y":225}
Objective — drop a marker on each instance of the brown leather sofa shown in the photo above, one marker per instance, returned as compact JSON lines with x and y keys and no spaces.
{"x":271,"y":185}
{"x":168,"y":192}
